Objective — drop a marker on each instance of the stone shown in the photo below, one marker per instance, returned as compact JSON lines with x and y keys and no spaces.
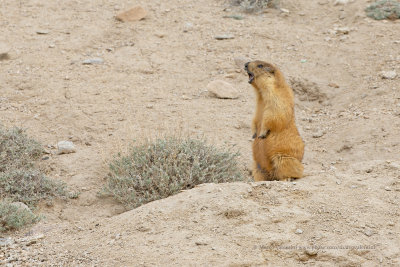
{"x":224,"y":37}
{"x":5,"y":241}
{"x":390,"y":75}
{"x":299,"y":231}
{"x":43,"y":32}
{"x":341,"y":2}
{"x":134,"y":14}
{"x":92,"y":61}
{"x":21,"y":205}
{"x":318,"y":134}
{"x":4,"y":50}
{"x":240,"y":61}
{"x":65,"y":147}
{"x":342,"y":30}
{"x":222,"y":89}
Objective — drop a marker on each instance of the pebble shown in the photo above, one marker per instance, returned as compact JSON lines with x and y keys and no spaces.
{"x":240,"y":61}
{"x":91,"y":61}
{"x":387,"y":188}
{"x":318,"y":134}
{"x":311,"y":252}
{"x":368,"y":232}
{"x":187,"y":26}
{"x":237,"y":17}
{"x":284,"y":10}
{"x":65,"y":147}
{"x":388,"y":74}
{"x":341,"y":2}
{"x":4,"y":50}
{"x":134,"y":14}
{"x":224,"y":37}
{"x":42,"y":32}
{"x":299,"y":231}
{"x":342,"y":30}
{"x":221,"y":89}
{"x":5,"y":241}
{"x":21,"y":205}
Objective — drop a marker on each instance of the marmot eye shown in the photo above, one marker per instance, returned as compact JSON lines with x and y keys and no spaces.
{"x":260,"y":66}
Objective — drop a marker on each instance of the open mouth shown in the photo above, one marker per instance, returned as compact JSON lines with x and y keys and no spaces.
{"x":251,"y":76}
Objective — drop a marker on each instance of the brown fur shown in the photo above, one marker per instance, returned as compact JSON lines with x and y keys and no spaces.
{"x":277,"y":147}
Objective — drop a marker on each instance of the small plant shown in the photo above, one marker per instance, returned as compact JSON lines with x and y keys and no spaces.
{"x":13,"y":217}
{"x":20,"y":180}
{"x":157,"y":170}
{"x":384,"y":9}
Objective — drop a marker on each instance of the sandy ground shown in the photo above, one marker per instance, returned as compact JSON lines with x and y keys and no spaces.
{"x":345,"y":212}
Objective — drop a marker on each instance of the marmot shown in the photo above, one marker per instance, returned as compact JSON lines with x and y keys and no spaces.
{"x":277,"y":147}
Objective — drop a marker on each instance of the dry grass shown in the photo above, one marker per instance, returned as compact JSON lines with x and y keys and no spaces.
{"x":20,"y":180}
{"x":165,"y":167}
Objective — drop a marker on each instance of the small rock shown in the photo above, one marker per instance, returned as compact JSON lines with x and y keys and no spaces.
{"x":4,"y":50}
{"x":388,"y":74}
{"x":334,"y":85}
{"x":299,"y":231}
{"x":311,"y":252}
{"x":91,"y":61}
{"x":303,"y":60}
{"x":65,"y":147}
{"x":368,"y":232}
{"x":21,"y":205}
{"x":224,"y":37}
{"x":6,"y":241}
{"x":42,"y":32}
{"x":237,"y":17}
{"x":187,"y":27}
{"x":341,"y":2}
{"x":200,"y":243}
{"x":222,"y":89}
{"x":284,"y":10}
{"x":240,"y":61}
{"x":134,"y":14}
{"x":342,"y":30}
{"x":318,"y":134}
{"x":387,"y":188}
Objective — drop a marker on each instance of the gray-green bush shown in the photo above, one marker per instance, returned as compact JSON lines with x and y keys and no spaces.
{"x":384,"y":9}
{"x":20,"y":179}
{"x":165,"y":167}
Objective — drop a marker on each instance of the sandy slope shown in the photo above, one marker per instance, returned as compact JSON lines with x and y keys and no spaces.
{"x":152,"y":82}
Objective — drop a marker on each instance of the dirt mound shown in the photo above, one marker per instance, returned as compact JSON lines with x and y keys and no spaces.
{"x":306,"y":90}
{"x":239,"y":224}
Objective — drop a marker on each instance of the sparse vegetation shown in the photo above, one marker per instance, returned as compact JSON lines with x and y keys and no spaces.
{"x":20,"y":179}
{"x":157,"y":170}
{"x":13,"y":217}
{"x":384,"y":9}
{"x":255,"y":5}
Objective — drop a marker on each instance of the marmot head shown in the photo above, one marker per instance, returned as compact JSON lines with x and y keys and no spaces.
{"x":260,"y":70}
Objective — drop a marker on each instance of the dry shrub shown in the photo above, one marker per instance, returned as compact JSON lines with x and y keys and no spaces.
{"x":163,"y":168}
{"x":20,"y":180}
{"x":384,"y":9}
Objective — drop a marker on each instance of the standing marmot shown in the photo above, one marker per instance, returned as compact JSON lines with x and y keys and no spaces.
{"x":277,"y":147}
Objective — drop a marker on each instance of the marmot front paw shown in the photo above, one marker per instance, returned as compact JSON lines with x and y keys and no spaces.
{"x":264,"y":134}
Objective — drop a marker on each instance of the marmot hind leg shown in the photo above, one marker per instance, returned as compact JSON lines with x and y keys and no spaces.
{"x":260,"y":174}
{"x":286,"y":167}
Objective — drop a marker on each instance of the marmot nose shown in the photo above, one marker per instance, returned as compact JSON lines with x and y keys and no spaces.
{"x":246,"y":65}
